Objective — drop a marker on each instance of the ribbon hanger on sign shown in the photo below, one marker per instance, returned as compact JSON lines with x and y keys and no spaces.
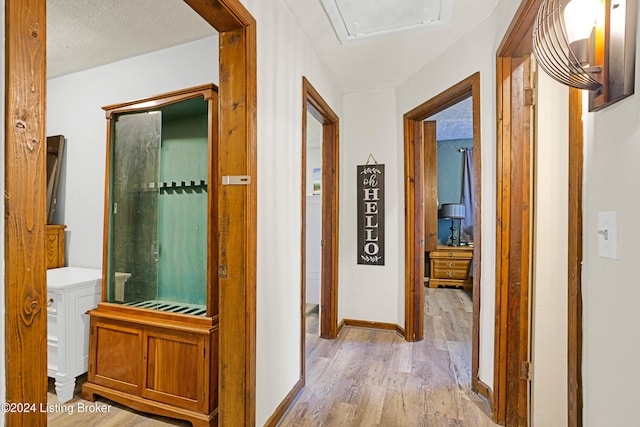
{"x":370,"y":159}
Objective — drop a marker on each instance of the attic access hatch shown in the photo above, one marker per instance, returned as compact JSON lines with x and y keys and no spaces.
{"x":358,"y":19}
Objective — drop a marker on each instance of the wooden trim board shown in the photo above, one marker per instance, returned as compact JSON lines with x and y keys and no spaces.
{"x":510,"y":400}
{"x":25,"y":289}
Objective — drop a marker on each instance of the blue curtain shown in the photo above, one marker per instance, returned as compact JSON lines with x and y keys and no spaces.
{"x":466,"y":225}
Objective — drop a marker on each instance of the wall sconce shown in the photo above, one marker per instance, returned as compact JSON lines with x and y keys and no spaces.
{"x":452,"y":211}
{"x":588,"y":44}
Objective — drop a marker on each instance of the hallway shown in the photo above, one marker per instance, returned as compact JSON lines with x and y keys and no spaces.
{"x":375,"y":378}
{"x":363,"y":378}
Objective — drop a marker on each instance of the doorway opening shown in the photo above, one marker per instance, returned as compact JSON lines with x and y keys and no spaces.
{"x":513,"y":240}
{"x":421,"y":208}
{"x":319,"y":247}
{"x":25,"y":290}
{"x":313,"y":224}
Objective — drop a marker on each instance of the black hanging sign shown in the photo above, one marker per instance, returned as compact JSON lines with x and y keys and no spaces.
{"x":371,"y":214}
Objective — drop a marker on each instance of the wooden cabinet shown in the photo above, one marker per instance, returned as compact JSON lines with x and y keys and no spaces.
{"x":55,"y":245}
{"x":154,"y":336}
{"x":71,"y":291}
{"x":164,"y":362}
{"x":450,"y":266}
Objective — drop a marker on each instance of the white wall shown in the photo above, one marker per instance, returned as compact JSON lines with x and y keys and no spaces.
{"x":284,"y":56}
{"x":550,"y":248}
{"x":370,"y":292}
{"x":313,"y":267}
{"x":314,"y":149}
{"x":611,"y":291}
{"x":2,"y":159}
{"x":74,"y":109}
{"x":313,"y":211}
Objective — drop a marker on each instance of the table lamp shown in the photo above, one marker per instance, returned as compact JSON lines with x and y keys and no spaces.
{"x":452,"y":211}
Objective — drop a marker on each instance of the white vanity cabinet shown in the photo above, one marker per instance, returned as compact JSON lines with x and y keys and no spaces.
{"x":71,"y":292}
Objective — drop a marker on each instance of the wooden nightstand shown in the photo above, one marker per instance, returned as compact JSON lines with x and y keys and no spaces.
{"x":450,"y":266}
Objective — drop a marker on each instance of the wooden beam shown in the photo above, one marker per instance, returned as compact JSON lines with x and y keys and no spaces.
{"x":574,"y":338}
{"x":237,"y":208}
{"x":236,"y":251}
{"x":430,"y":209}
{"x":414,"y":228}
{"x":25,"y":211}
{"x":503,"y":201}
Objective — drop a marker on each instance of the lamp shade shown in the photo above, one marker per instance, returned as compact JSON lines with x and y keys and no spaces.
{"x":452,"y":211}
{"x":553,"y":50}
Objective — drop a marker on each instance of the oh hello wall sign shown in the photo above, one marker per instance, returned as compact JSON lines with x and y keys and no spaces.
{"x":371,"y":214}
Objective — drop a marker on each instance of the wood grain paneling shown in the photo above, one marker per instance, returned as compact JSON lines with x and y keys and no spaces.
{"x":574,"y":232}
{"x":513,"y":229}
{"x":513,"y":244}
{"x":117,"y":361}
{"x":170,"y":361}
{"x":503,"y":170}
{"x":55,"y":245}
{"x":430,"y":210}
{"x":25,"y":210}
{"x":237,"y":207}
{"x":414,"y":227}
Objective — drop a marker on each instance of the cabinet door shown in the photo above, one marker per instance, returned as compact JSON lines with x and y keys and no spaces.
{"x":115,"y":356}
{"x":176,"y":372}
{"x":133,"y":195}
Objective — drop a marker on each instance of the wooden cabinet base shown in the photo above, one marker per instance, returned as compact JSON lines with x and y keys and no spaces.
{"x":90,"y":391}
{"x":157,"y":362}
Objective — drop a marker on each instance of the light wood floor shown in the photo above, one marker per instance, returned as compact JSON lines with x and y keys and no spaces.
{"x":363,"y":378}
{"x":79,"y":412}
{"x":375,"y":378}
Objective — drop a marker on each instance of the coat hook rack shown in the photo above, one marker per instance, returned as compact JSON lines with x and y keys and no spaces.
{"x":370,"y":158}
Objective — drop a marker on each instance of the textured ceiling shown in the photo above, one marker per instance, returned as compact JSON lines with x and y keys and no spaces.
{"x":83,"y":34}
{"x":456,"y":122}
{"x":386,"y":61}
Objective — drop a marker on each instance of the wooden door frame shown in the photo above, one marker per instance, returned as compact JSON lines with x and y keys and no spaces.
{"x":25,"y":289}
{"x":414,"y":211}
{"x":508,"y":398}
{"x":25,"y":188}
{"x":315,"y":105}
{"x":513,"y":241}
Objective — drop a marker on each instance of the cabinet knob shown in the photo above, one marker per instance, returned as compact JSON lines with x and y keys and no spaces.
{"x":450,"y":273}
{"x":451,"y":264}
{"x":49,"y":302}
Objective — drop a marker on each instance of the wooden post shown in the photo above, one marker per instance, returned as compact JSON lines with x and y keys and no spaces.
{"x":25,"y":213}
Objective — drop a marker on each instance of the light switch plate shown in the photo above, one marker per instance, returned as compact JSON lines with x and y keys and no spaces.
{"x":608,"y":234}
